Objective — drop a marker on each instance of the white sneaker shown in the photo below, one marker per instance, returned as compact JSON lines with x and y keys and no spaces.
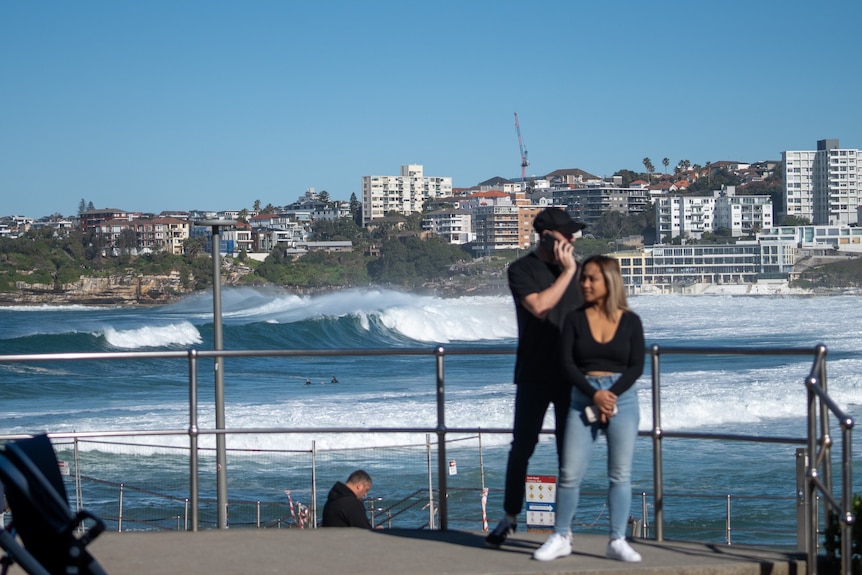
{"x":555,"y":547}
{"x":620,"y":550}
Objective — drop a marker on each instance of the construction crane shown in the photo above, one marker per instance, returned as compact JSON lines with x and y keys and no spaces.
{"x":524,"y":161}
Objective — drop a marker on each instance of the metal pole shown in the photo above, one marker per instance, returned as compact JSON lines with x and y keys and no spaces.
{"x":658,"y":479}
{"x":314,"y":484}
{"x":194,"y":494}
{"x":221,"y":450}
{"x":442,"y":469}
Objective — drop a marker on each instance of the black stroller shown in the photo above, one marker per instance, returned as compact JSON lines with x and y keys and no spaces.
{"x":54,"y":538}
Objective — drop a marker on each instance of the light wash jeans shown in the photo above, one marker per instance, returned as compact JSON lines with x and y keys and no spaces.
{"x":578,"y":442}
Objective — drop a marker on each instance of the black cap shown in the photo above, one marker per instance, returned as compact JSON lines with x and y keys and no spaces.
{"x":557,"y":219}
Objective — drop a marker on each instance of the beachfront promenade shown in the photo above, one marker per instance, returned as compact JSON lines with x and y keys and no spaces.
{"x":396,"y":551}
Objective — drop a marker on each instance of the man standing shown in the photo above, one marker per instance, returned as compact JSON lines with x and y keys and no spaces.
{"x":343,"y":506}
{"x":543,"y":286}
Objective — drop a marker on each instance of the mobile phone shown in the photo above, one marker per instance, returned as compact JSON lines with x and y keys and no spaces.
{"x":592,"y":413}
{"x":548,"y":242}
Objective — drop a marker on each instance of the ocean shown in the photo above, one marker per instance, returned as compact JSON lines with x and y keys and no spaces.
{"x":754,"y":395}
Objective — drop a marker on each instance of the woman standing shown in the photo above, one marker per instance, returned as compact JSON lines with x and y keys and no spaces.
{"x":603,"y":347}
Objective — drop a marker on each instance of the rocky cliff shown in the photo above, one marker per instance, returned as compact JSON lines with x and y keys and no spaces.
{"x":131,"y":289}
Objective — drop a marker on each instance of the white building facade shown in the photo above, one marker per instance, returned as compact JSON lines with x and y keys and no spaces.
{"x":692,"y":216}
{"x":686,"y":216}
{"x":742,"y":215}
{"x":453,"y":225}
{"x":404,"y":194}
{"x":823,"y":185}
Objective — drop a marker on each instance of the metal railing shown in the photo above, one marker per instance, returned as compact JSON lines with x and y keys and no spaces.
{"x":818,"y":469}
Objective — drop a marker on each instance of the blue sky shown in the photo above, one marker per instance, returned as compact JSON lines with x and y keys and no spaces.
{"x":193,"y":104}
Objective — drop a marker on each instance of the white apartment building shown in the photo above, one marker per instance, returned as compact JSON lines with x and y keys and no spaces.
{"x":453,"y":225}
{"x":404,"y":194}
{"x":692,"y":216}
{"x":823,"y":185}
{"x":743,"y":262}
{"x":742,"y":215}
{"x":839,"y":238}
{"x":686,"y":216}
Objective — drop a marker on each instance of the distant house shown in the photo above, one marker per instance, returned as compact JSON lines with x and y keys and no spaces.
{"x":92,"y":219}
{"x":573,"y":177}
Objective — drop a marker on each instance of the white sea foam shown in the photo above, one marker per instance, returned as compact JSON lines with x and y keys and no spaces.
{"x":179,"y":334}
{"x":443,"y":321}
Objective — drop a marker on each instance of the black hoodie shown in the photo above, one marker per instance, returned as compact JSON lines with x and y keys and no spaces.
{"x":344,"y":509}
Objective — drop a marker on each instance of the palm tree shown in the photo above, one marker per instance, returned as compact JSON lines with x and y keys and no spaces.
{"x":649,"y":168}
{"x":666,"y":162}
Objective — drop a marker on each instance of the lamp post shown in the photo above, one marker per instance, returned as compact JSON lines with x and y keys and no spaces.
{"x":221,"y":450}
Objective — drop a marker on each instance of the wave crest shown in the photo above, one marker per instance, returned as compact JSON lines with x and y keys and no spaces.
{"x":179,"y":334}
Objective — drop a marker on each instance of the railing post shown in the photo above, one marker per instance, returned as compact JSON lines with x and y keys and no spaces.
{"x":120,"y":512}
{"x":802,"y":503}
{"x":79,"y":490}
{"x":193,"y":438}
{"x":645,"y":517}
{"x":314,"y":484}
{"x":727,"y":521}
{"x":430,"y":481}
{"x":442,"y":477}
{"x":658,"y":479}
{"x":810,"y":475}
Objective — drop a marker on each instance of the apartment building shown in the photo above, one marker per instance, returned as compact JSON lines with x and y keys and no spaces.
{"x":503,"y":227}
{"x":453,"y":225}
{"x":93,"y":219}
{"x":150,"y":234}
{"x":742,"y":262}
{"x":816,"y":238}
{"x":588,"y":204}
{"x":742,"y":215}
{"x":161,"y":234}
{"x":404,"y":194}
{"x":692,"y":216}
{"x":685,"y":216}
{"x":823,"y":185}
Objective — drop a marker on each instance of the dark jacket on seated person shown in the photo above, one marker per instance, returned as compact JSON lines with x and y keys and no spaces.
{"x":344,"y":509}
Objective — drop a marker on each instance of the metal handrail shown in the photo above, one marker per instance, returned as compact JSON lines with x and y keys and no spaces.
{"x":815,"y":382}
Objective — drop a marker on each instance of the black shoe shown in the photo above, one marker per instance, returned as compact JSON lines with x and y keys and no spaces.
{"x":498,"y":536}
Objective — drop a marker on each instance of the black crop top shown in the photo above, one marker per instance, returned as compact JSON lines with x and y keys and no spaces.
{"x":623,"y":354}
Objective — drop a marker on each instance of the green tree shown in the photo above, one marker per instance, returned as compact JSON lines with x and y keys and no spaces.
{"x":628,"y":176}
{"x":82,"y":207}
{"x":355,"y":209}
{"x":324,"y":197}
{"x":790,"y":220}
{"x":127,"y":241}
{"x":666,"y":163}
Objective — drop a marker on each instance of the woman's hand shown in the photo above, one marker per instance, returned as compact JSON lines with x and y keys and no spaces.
{"x":605,"y":401}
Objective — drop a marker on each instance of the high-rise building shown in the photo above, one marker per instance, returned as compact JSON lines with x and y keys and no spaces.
{"x":823,"y":185}
{"x":404,"y":194}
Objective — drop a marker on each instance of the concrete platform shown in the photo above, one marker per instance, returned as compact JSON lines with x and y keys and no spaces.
{"x":360,"y":552}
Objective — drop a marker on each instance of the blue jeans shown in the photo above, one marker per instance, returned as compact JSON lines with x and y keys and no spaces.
{"x":578,"y":441}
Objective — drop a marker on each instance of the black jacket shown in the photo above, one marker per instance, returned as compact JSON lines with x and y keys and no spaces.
{"x":344,"y":509}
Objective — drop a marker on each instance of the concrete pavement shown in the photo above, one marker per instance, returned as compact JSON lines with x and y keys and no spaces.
{"x":396,"y":551}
